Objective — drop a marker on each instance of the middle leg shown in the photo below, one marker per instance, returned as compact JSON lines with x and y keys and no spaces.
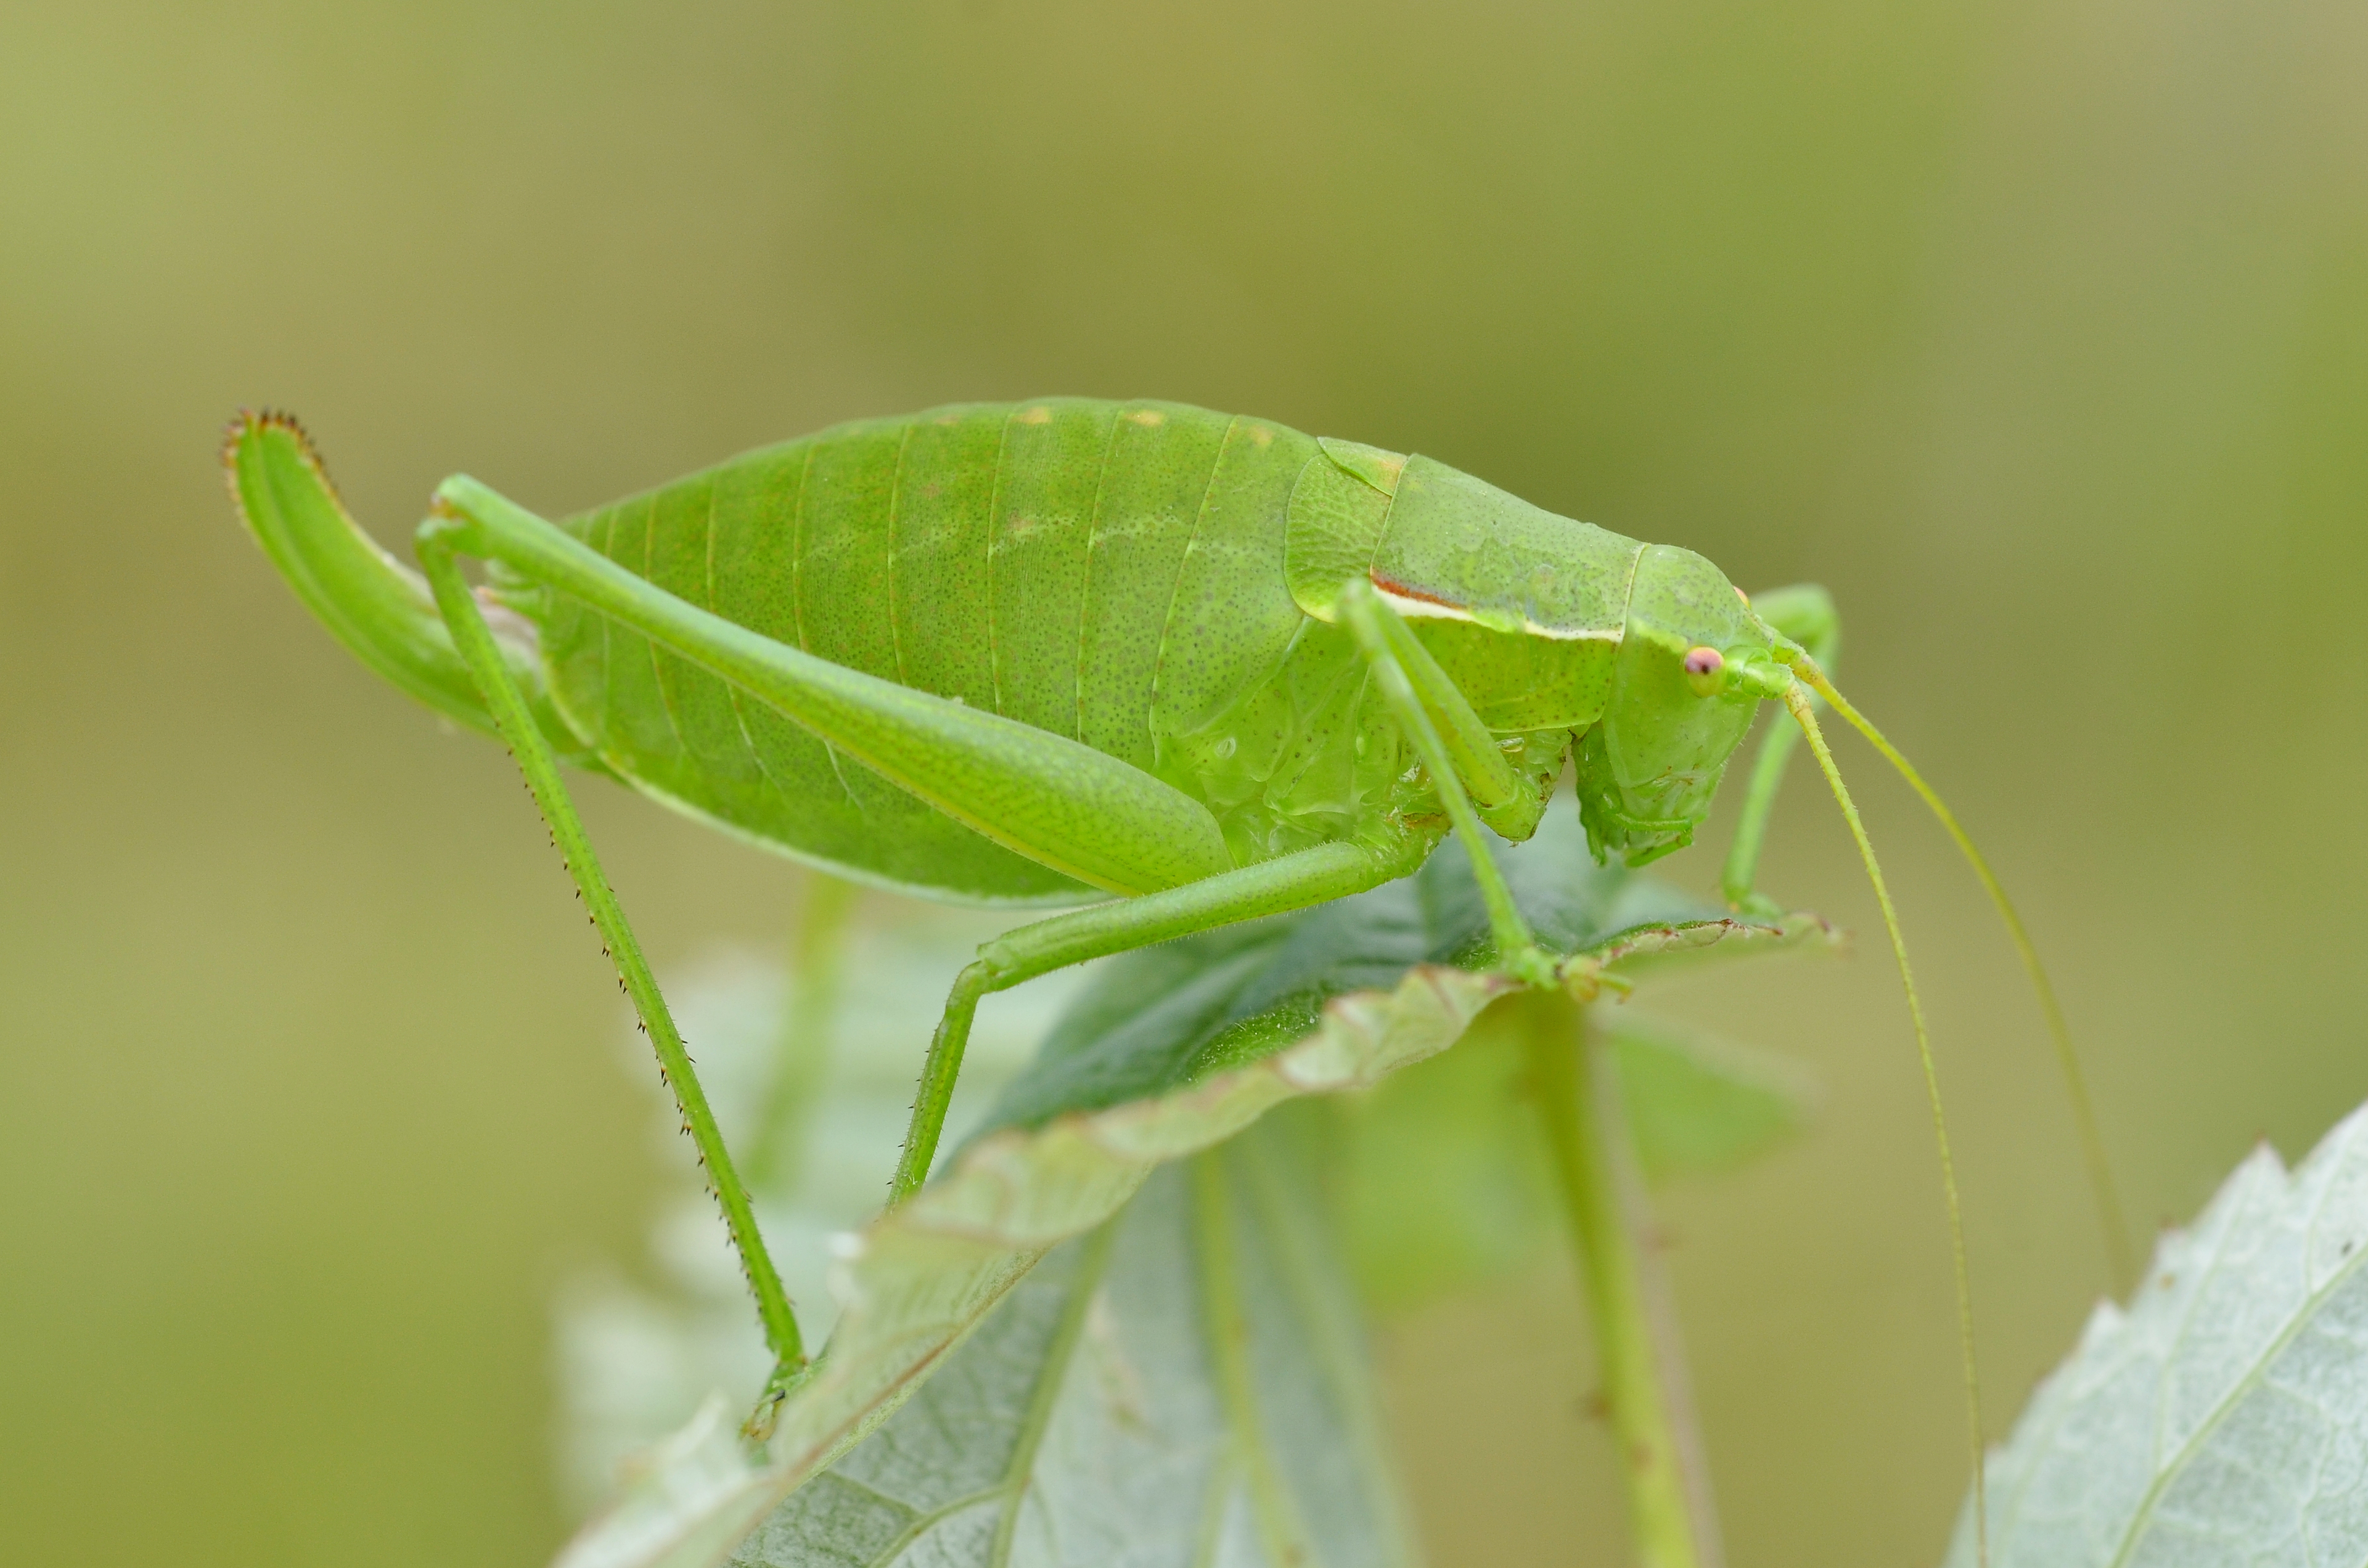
{"x":1313,"y":876}
{"x":1456,"y":765}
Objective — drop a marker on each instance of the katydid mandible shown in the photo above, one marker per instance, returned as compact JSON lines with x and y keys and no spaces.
{"x":1049,"y":651}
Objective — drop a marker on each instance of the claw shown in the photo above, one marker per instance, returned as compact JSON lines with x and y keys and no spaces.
{"x":1531,"y":965}
{"x":1584,"y":978}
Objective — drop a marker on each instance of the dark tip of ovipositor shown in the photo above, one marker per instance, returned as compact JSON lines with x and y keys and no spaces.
{"x":248,"y":421}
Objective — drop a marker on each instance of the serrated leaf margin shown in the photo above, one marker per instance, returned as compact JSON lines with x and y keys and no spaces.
{"x":2248,"y":1282}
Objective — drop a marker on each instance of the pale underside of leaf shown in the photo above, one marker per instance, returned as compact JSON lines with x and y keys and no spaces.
{"x":1330,"y":1000}
{"x":917,"y":1281}
{"x":1182,"y":1387}
{"x":2223,"y":1418}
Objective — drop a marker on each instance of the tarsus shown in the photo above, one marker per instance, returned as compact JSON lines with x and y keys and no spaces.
{"x":2076,"y":1083}
{"x":1797,"y":701}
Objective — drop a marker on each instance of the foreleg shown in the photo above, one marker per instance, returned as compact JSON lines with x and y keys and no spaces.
{"x":1806,"y":614}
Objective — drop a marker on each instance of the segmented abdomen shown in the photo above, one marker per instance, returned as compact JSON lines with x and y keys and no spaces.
{"x":1107,"y":571}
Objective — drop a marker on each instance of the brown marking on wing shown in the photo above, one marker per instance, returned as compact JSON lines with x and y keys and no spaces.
{"x":1420,"y":596}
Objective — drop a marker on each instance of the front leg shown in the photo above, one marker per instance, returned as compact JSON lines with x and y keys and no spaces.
{"x":1804,"y":613}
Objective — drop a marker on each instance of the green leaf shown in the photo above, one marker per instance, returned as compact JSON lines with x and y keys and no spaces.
{"x":1172,"y":1014}
{"x":2222,"y":1416}
{"x":914,"y":1284}
{"x":1189,"y":1372}
{"x":1443,"y":1174}
{"x":1171,"y":1052}
{"x":1445,"y":1180}
{"x":1698,"y":1104}
{"x":642,"y":1343}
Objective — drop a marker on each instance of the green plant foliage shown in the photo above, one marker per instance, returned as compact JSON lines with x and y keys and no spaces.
{"x":1442,"y":1177}
{"x":1184,"y":1384}
{"x":1445,"y":1181}
{"x":1169,"y":1053}
{"x":1696,"y":1104}
{"x":2222,"y":1417}
{"x":640,"y":1344}
{"x":912,"y":1285}
{"x":1174,"y":1014}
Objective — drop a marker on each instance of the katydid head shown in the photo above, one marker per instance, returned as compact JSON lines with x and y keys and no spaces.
{"x":1693,"y":664}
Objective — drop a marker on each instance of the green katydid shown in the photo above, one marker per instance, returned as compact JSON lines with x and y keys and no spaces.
{"x":1046,"y":652}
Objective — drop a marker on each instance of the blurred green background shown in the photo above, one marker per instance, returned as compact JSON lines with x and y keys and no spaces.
{"x":2039,"y":331}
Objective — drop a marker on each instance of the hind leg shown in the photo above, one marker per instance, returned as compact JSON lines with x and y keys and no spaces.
{"x":474,"y":641}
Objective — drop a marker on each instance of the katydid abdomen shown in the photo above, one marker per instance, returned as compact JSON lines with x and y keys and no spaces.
{"x":1112,"y":572}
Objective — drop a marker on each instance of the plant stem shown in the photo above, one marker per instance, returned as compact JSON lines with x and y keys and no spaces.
{"x":1639,"y":1356}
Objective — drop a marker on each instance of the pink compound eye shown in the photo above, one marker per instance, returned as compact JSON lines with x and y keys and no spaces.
{"x":1705,"y":662}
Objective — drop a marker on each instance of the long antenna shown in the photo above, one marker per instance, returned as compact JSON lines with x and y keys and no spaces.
{"x":2076,"y":1083}
{"x":1797,"y":701}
